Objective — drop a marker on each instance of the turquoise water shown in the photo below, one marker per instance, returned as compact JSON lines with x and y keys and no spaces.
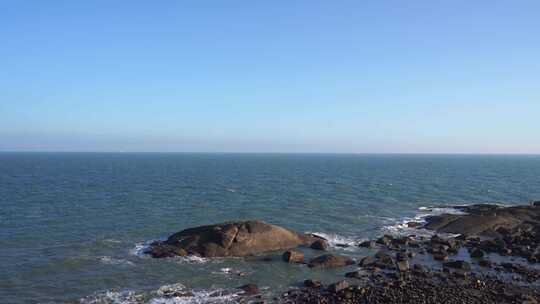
{"x":72,"y":225}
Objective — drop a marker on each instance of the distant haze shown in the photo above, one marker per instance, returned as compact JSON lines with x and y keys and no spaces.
{"x":270,"y":76}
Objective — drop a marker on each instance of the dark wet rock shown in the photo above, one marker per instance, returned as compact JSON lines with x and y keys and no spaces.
{"x":368,"y":261}
{"x":367,"y":244}
{"x":239,"y":238}
{"x":162,"y":250}
{"x":353,"y":274}
{"x":384,"y":260}
{"x":403,"y":266}
{"x":402,"y":256}
{"x":320,"y":245}
{"x":429,"y":289}
{"x":413,"y":224}
{"x":485,"y":263}
{"x":418,"y":269}
{"x":249,"y":289}
{"x":484,"y":219}
{"x":535,"y":203}
{"x":312,"y":284}
{"x":385,"y":240}
{"x":338,"y":286}
{"x":293,"y":256}
{"x":440,"y":256}
{"x":342,"y":245}
{"x":477,"y":253}
{"x":458,"y":264}
{"x":330,"y":261}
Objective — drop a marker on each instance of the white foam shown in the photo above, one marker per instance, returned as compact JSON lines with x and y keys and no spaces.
{"x":334,"y":240}
{"x":114,"y":297}
{"x":113,"y":261}
{"x":402,"y":228}
{"x":140,"y":248}
{"x":191,"y":259}
{"x":167,"y":294}
{"x":218,"y":296}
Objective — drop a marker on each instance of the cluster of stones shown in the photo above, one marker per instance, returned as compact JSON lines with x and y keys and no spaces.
{"x":429,"y":287}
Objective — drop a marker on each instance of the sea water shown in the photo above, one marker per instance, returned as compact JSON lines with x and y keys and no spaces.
{"x":73,"y":226}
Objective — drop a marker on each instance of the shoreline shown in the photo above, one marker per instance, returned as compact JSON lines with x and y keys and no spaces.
{"x":484,"y":253}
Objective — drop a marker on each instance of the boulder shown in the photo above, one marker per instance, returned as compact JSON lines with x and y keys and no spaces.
{"x":367,"y":244}
{"x":249,"y":289}
{"x":385,"y":240}
{"x":293,"y":256}
{"x":353,"y":274}
{"x":330,"y":261}
{"x":477,"y":253}
{"x":237,"y":238}
{"x":368,"y":261}
{"x":483,"y":219}
{"x":320,"y":244}
{"x":458,"y":264}
{"x":338,"y":286}
{"x":403,"y":266}
{"x":312,"y":284}
{"x":162,"y":250}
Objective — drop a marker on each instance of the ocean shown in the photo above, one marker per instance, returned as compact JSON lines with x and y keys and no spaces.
{"x":73,"y":226}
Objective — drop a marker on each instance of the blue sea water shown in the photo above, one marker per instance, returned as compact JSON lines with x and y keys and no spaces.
{"x":73,"y":225}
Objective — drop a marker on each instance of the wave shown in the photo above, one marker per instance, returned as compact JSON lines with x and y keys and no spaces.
{"x":338,"y":241}
{"x":402,"y":226}
{"x":113,"y":261}
{"x":167,"y":294}
{"x":140,"y":248}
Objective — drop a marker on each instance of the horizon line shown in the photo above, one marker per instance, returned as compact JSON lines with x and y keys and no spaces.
{"x":273,"y":152}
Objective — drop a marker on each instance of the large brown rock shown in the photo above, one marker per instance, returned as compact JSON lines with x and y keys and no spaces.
{"x":330,"y":261}
{"x":238,"y":238}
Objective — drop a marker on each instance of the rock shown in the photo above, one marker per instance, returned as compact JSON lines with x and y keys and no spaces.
{"x":458,"y":264}
{"x":161,"y":250}
{"x":367,"y":244}
{"x":312,"y":284}
{"x":249,"y":289}
{"x":367,"y":261}
{"x":477,"y":253}
{"x":239,"y":238}
{"x":320,"y":245}
{"x":413,"y":224}
{"x":342,"y":245}
{"x":384,"y":260}
{"x":418,"y":269}
{"x":402,"y":256}
{"x":385,"y":240}
{"x":403,"y":266}
{"x":485,"y":263}
{"x":535,"y":203}
{"x":440,"y":256}
{"x":338,"y":286}
{"x":330,"y":261}
{"x":293,"y":256}
{"x":353,"y":274}
{"x":483,"y":219}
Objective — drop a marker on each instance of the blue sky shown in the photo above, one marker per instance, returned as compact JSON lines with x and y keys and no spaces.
{"x":270,"y":76}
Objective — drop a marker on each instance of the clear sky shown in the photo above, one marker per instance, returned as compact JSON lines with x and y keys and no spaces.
{"x":454,"y":76}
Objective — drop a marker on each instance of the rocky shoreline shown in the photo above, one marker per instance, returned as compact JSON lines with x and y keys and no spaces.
{"x":492,"y":256}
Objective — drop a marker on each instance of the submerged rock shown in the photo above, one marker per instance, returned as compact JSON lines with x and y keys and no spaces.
{"x":320,"y":244}
{"x":293,"y":256}
{"x":330,"y":261}
{"x":238,"y":238}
